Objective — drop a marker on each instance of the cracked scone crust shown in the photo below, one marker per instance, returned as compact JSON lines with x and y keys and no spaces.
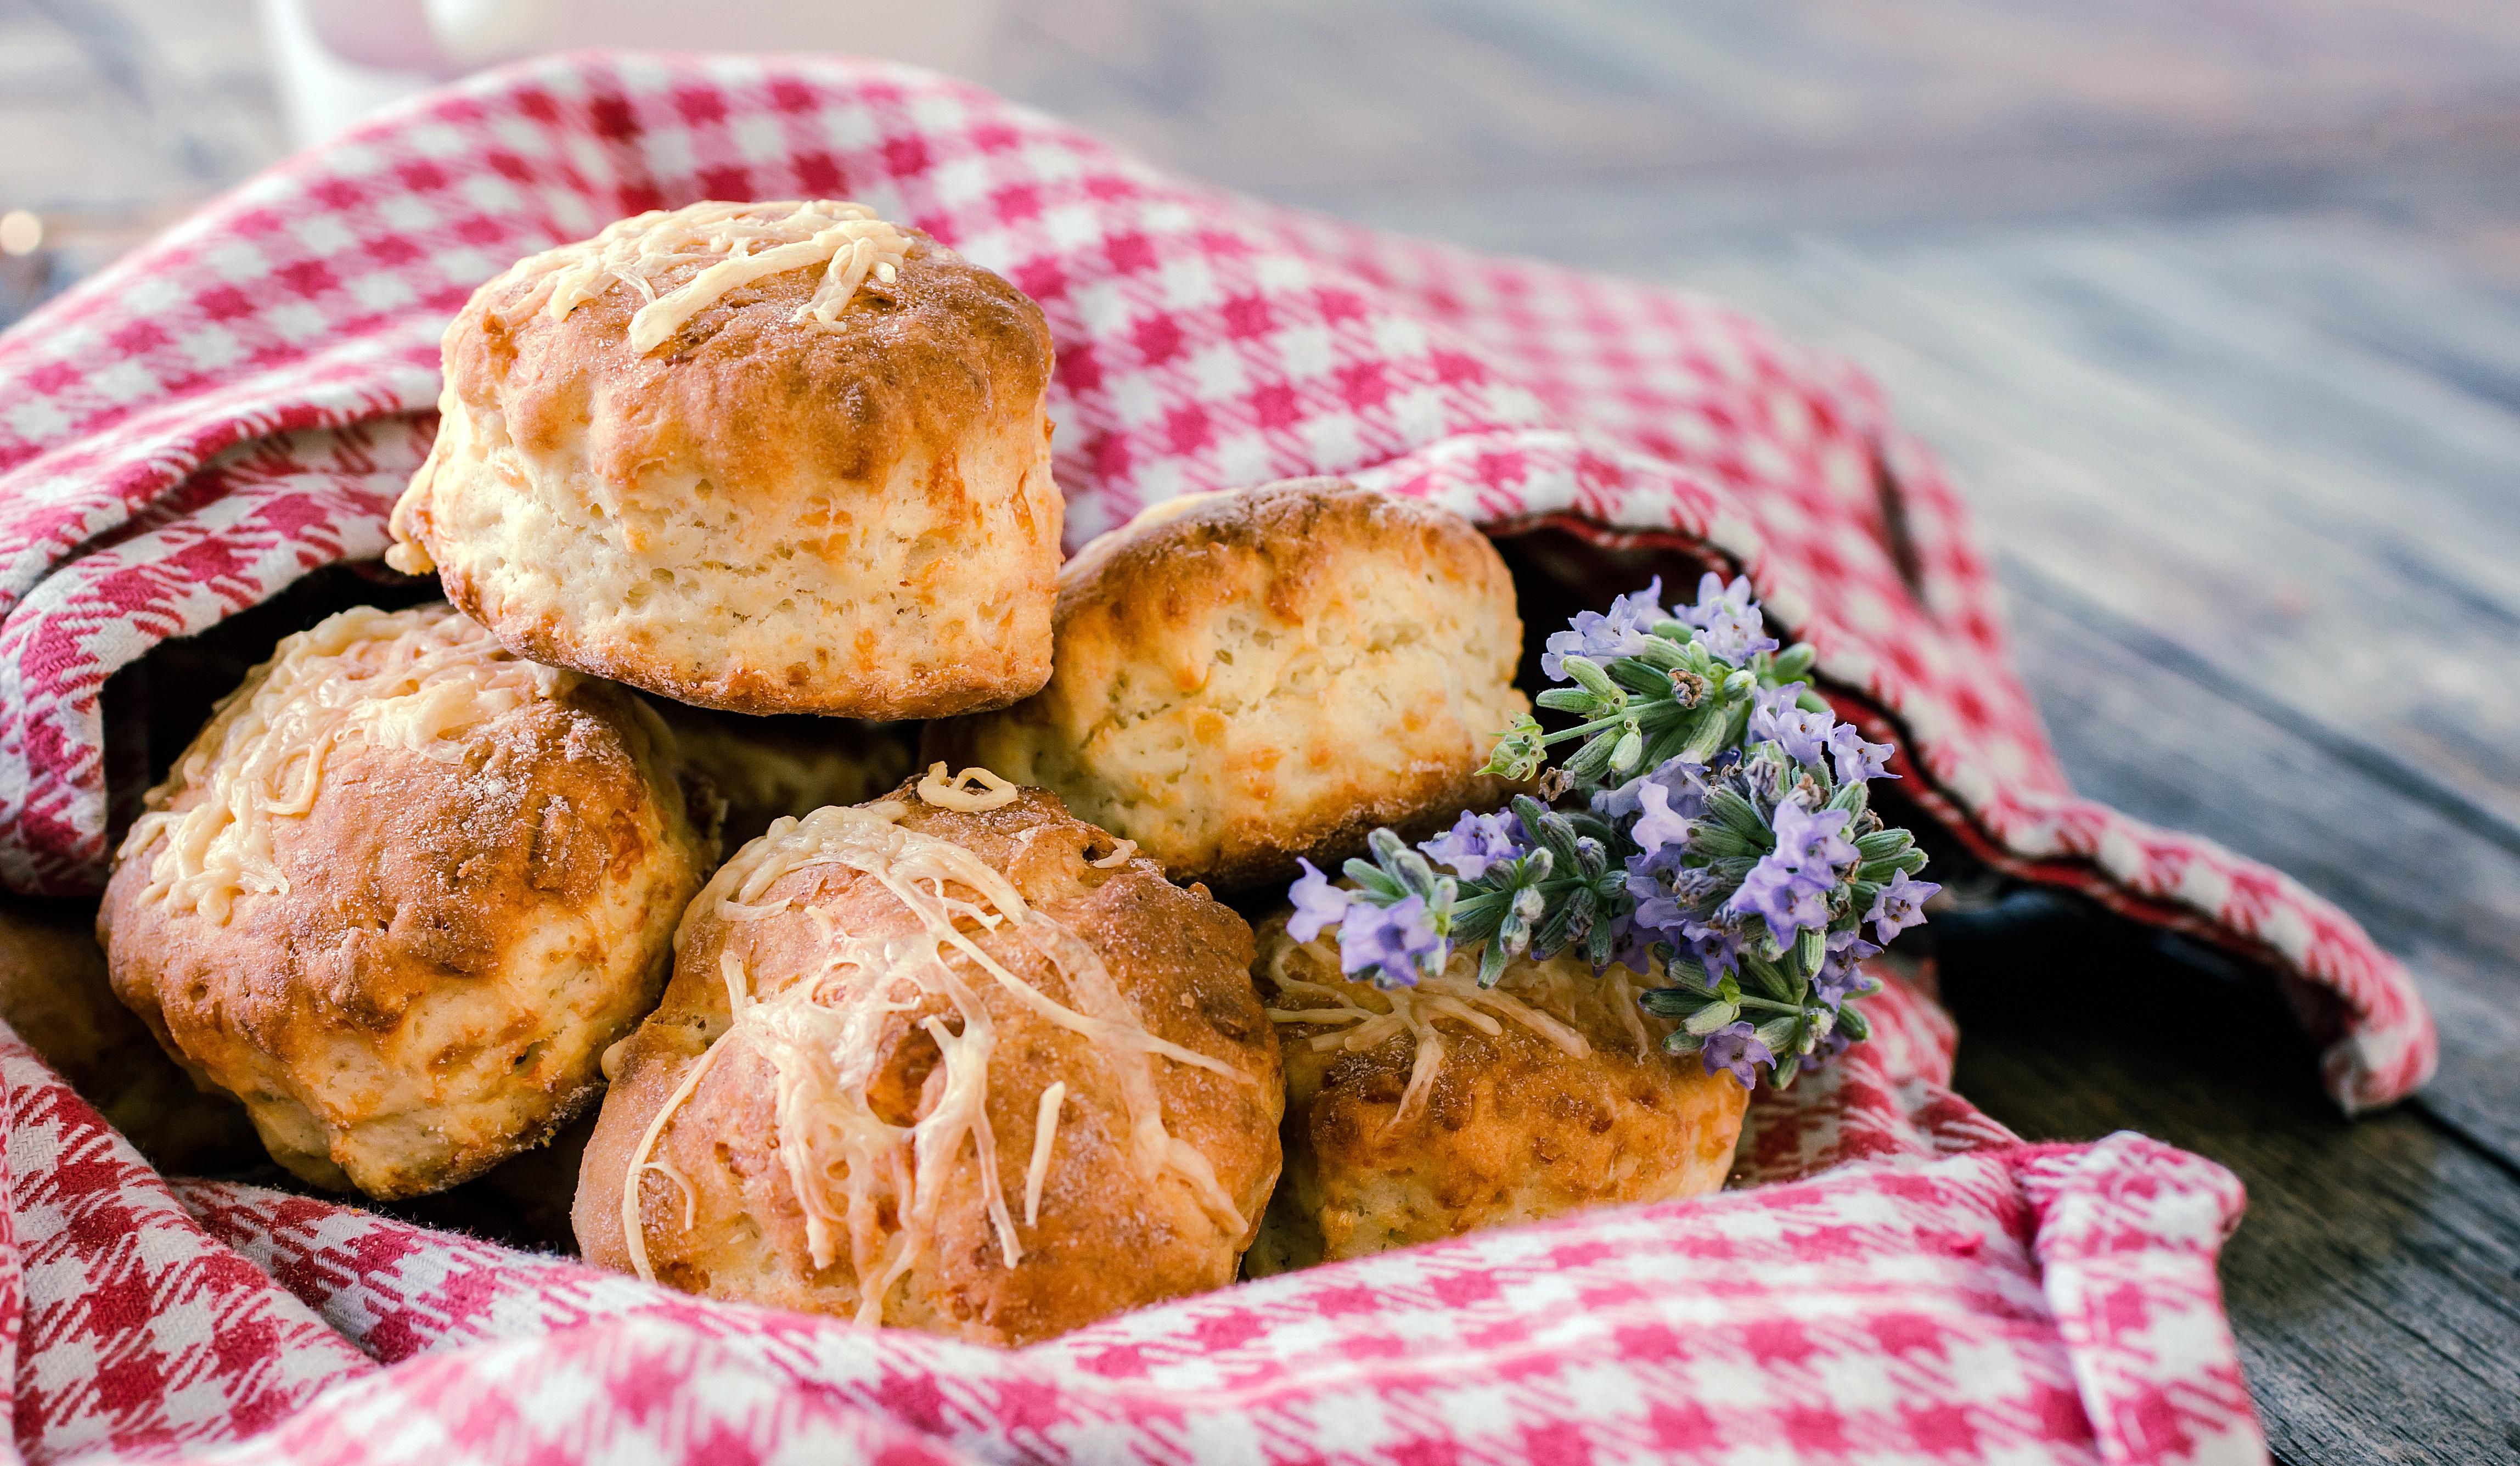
{"x":837,"y":1109}
{"x":401,"y":892}
{"x":1246,"y":678}
{"x":762,"y":513}
{"x":1432,"y":1111}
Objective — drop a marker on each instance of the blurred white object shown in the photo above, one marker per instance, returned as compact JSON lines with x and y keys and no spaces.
{"x":339,"y":60}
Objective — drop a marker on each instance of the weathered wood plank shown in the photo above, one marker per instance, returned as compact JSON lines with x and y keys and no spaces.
{"x":2384,"y":288}
{"x":2147,"y":734}
{"x":131,"y":104}
{"x":2376,"y":604}
{"x":2390,"y":451}
{"x":2375,"y":1282}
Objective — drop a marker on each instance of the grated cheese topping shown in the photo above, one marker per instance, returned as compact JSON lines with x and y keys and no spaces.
{"x":958,"y":792}
{"x":1539,"y":996}
{"x":847,"y":1166}
{"x":416,"y":680}
{"x":1045,"y":1133}
{"x":733,"y":244}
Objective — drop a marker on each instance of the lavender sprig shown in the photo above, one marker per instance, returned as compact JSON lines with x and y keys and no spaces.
{"x":1725,"y":827}
{"x":1649,"y":685}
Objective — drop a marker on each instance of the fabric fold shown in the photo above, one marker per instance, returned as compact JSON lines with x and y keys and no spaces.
{"x":1204,"y":341}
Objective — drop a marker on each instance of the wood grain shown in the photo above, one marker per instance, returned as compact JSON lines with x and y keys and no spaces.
{"x":2214,"y":310}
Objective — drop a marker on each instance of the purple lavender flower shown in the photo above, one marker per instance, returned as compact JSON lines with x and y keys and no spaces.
{"x":1665,"y":898}
{"x":1665,"y":892}
{"x":1900,"y":905}
{"x":1786,"y":896}
{"x":1777,"y":717}
{"x":1660,"y":822}
{"x":1713,"y":948}
{"x":1736,"y":1048}
{"x":1476,"y":842}
{"x":1684,"y":784}
{"x":1318,"y":903}
{"x":1657,"y":907}
{"x":1841,"y":971}
{"x":1738,"y":638}
{"x":1728,"y":622}
{"x":1765,"y":781}
{"x":1715,"y":597}
{"x":1621,"y":632}
{"x":1397,"y":941}
{"x":1857,"y":760}
{"x":1632,"y":943}
{"x":1812,"y":843}
{"x":1851,"y":945}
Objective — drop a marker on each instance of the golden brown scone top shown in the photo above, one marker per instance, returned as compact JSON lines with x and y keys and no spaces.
{"x":1243,"y":678}
{"x":403,"y":927}
{"x":743,"y":393}
{"x":778,"y":1153}
{"x":1436,"y":1110}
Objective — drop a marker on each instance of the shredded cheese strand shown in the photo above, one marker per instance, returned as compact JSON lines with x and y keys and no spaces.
{"x":1045,"y":1133}
{"x":633,"y":1227}
{"x":954,"y":792}
{"x":1532,"y":995}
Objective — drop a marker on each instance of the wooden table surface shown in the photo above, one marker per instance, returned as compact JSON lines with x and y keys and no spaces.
{"x":2215,"y":310}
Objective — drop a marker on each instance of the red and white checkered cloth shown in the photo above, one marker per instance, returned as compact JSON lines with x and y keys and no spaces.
{"x":188,"y":431}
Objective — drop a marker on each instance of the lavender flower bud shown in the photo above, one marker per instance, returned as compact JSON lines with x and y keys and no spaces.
{"x":1518,"y":750}
{"x":1631,"y":748}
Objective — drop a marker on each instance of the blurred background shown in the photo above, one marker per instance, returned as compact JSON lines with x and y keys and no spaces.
{"x":2213,"y":305}
{"x":1621,"y":128}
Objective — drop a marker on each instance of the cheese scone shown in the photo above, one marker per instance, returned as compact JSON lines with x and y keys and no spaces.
{"x":1431,"y":1111}
{"x":763,"y":457}
{"x":951,"y":1060}
{"x":400,"y":894}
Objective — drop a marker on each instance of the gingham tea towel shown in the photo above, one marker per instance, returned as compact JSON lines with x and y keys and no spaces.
{"x":190,"y":430}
